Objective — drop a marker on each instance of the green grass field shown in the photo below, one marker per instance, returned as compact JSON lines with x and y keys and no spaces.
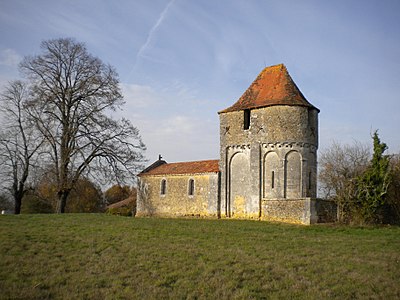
{"x":95,"y":256}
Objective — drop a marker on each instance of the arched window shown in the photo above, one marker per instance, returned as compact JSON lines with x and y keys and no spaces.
{"x":163,"y":188}
{"x":191,"y":187}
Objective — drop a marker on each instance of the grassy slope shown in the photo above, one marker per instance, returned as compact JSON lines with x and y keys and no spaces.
{"x":107,"y":257}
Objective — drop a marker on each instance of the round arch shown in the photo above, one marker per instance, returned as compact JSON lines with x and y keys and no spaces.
{"x":239,"y":183}
{"x":271,"y":176}
{"x":293,"y":171}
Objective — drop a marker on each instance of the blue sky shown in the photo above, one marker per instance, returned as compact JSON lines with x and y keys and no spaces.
{"x":181,"y":61}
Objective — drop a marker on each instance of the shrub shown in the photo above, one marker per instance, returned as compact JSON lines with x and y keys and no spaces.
{"x":120,"y":211}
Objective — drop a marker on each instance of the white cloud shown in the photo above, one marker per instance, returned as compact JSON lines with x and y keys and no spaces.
{"x":168,"y":128}
{"x":9,"y":58}
{"x":177,"y":126}
{"x":179,"y":138}
{"x":138,"y":96}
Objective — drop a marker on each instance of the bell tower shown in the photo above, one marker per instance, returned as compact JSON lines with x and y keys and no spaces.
{"x":268,"y":152}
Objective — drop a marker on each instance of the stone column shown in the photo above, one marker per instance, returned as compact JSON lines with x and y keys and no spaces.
{"x":304,"y":176}
{"x":255,"y":181}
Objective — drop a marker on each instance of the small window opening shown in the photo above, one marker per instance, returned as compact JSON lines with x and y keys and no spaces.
{"x":273,"y":179}
{"x":309,"y":180}
{"x":163,"y":187}
{"x":191,"y":187}
{"x":246,"y":123}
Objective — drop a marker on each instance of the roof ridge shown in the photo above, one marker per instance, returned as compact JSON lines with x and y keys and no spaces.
{"x":187,"y":167}
{"x":192,"y":161}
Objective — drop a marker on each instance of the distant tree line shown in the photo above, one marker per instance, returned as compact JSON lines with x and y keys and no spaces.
{"x":365,"y":186}
{"x":85,"y":197}
{"x":58,"y":141}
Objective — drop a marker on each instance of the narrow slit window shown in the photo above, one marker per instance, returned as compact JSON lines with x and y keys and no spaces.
{"x":191,"y":187}
{"x":309,"y":180}
{"x":272,"y":179}
{"x":163,"y":187}
{"x":246,"y":119}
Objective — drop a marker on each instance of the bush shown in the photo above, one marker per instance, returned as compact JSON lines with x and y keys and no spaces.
{"x":5,"y":203}
{"x":392,"y":207}
{"x":372,"y":185}
{"x":120,"y":211}
{"x":365,"y":189}
{"x":32,"y":204}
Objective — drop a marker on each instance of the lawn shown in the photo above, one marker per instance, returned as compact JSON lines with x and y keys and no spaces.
{"x":95,"y":256}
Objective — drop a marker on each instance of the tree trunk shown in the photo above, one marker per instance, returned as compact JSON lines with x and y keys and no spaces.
{"x":62,"y":201}
{"x":18,"y":203}
{"x":18,"y":193}
{"x":338,"y":212}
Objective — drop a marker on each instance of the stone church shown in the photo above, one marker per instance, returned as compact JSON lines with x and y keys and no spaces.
{"x":267,"y":167}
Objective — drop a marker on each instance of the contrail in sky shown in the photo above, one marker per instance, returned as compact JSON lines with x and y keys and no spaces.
{"x":144,"y":47}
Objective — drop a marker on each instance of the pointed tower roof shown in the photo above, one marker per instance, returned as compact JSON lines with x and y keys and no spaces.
{"x":273,"y":86}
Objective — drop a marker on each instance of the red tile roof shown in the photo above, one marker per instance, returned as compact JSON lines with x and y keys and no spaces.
{"x":273,"y":86}
{"x":191,"y":167}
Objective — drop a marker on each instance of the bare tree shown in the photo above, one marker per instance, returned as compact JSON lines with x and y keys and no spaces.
{"x":340,"y":166}
{"x":19,"y":144}
{"x":73,"y":95}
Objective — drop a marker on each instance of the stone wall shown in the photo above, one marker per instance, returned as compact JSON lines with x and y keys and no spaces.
{"x":299,"y":211}
{"x":280,"y":146}
{"x":270,"y":124}
{"x":291,"y":211}
{"x":176,"y":201}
